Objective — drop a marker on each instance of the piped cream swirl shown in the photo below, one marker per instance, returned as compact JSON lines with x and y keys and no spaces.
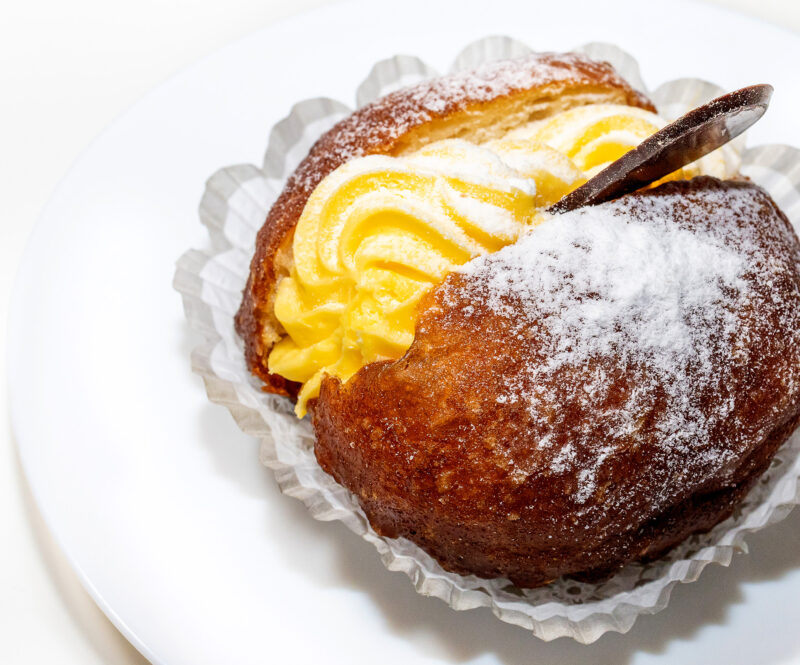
{"x":379,"y":232}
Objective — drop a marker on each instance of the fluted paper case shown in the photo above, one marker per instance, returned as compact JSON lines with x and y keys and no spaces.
{"x":234,"y":207}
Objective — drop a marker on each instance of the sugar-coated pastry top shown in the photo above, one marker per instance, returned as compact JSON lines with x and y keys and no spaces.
{"x":631,"y":285}
{"x":589,"y":396}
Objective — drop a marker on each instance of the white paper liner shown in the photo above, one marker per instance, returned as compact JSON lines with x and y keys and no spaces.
{"x":233,"y":208}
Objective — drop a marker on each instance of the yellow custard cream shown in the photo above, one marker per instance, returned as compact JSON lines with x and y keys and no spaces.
{"x":379,"y":232}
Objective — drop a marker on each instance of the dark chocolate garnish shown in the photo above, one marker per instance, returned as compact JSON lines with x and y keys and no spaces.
{"x":690,"y":137}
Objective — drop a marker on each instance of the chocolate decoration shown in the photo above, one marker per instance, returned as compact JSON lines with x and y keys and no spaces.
{"x":681,"y":142}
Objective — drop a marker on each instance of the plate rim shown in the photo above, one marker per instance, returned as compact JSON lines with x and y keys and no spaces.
{"x":15,"y":324}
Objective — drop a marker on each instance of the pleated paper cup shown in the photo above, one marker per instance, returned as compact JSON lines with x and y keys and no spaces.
{"x":233,"y":208}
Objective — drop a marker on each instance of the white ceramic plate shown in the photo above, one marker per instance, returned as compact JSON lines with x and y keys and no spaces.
{"x":154,"y":494}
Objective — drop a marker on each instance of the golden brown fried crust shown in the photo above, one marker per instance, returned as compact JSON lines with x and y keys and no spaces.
{"x":476,"y":105}
{"x":431,"y":454}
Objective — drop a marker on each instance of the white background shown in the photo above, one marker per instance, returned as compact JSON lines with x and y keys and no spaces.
{"x":66,"y":71}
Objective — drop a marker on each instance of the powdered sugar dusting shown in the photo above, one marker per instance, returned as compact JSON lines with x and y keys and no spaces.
{"x":609,"y":279}
{"x":492,"y":219}
{"x":375,"y":127}
{"x":622,"y":285}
